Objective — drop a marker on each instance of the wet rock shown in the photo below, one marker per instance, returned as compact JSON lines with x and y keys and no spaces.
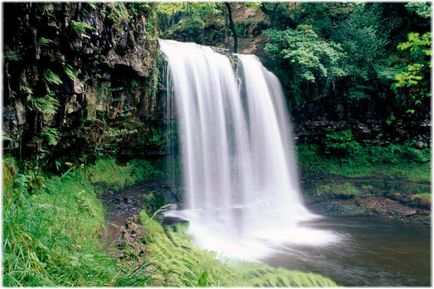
{"x":78,"y":86}
{"x":73,"y":105}
{"x":10,"y":123}
{"x":420,"y":144}
{"x":41,"y":36}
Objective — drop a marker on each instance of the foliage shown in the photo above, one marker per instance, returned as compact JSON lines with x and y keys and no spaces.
{"x":198,"y":9}
{"x":363,"y":38}
{"x":108,"y":172}
{"x":119,"y":13}
{"x":11,"y":55}
{"x":51,"y":77}
{"x":51,"y":135}
{"x":174,"y":261}
{"x":338,"y":190}
{"x":50,"y":238}
{"x":80,"y":27}
{"x":412,"y":82}
{"x":389,"y":162}
{"x":143,"y":170}
{"x":46,"y":105}
{"x":45,"y":41}
{"x":51,"y":228}
{"x":422,"y":9}
{"x":153,"y":202}
{"x":340,"y":143}
{"x":69,"y":71}
{"x":308,"y":58}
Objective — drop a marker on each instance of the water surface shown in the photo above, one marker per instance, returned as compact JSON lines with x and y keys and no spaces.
{"x":370,"y":253}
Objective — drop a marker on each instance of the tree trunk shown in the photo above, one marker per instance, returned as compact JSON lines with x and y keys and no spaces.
{"x":232,"y":26}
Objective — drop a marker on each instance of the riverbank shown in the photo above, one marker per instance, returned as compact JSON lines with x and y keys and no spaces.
{"x":58,"y":233}
{"x":391,"y":183}
{"x":402,"y":162}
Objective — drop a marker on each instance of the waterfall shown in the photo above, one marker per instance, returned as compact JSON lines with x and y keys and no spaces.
{"x":239,"y":170}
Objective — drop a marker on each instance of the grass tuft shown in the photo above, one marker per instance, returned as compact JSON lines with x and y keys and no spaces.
{"x":51,"y":234}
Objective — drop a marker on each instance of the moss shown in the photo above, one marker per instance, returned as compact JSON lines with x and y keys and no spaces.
{"x":422,"y":199}
{"x":389,"y":162}
{"x":338,"y":190}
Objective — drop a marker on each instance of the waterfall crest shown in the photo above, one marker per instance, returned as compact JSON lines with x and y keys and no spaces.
{"x":239,"y":169}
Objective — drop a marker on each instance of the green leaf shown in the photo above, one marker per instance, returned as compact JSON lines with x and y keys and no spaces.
{"x":203,"y":280}
{"x":52,"y":77}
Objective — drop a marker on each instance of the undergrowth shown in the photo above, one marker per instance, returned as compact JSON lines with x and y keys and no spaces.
{"x":390,"y":162}
{"x":51,"y":227}
{"x":107,"y":173}
{"x":175,"y":262}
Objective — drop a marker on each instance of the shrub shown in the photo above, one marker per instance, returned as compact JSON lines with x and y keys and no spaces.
{"x":341,"y":143}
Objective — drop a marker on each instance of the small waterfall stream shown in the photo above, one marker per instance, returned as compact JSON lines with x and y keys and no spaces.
{"x":240,"y":174}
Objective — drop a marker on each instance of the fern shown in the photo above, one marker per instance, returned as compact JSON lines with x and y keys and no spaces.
{"x":187,"y":266}
{"x":13,"y":56}
{"x":46,"y":105}
{"x":25,"y":89}
{"x":119,"y":13}
{"x":52,"y":77}
{"x":51,"y":135}
{"x":69,"y":72}
{"x":45,"y":41}
{"x":80,"y":27}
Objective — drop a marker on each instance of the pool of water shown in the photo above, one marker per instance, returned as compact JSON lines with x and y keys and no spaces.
{"x":370,"y":253}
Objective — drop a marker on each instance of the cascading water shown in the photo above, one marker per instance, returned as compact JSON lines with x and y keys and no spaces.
{"x":240,"y":174}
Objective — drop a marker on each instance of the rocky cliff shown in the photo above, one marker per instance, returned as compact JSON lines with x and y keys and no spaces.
{"x":80,"y":79}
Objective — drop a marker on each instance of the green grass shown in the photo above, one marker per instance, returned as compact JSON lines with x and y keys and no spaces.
{"x":338,"y":190}
{"x":52,"y":227}
{"x":390,"y":162}
{"x":108,"y":173}
{"x":51,"y":237}
{"x":174,"y":261}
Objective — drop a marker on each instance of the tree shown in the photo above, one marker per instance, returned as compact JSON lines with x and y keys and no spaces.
{"x":412,"y":82}
{"x":304,"y":60}
{"x":232,"y":26}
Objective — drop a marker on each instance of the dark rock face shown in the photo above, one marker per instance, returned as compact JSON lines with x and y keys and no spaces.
{"x":95,"y":60}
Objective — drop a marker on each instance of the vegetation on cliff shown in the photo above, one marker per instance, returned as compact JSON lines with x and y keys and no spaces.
{"x":84,"y":98}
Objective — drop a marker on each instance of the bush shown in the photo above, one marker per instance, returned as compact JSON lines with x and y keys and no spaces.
{"x":340,"y":143}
